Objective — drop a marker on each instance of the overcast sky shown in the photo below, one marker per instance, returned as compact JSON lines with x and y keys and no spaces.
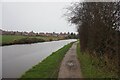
{"x":35,"y":16}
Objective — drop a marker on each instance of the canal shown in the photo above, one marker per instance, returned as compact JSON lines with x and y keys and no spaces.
{"x":17,"y":59}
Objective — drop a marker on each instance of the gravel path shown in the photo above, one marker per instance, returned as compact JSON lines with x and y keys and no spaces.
{"x":70,"y":67}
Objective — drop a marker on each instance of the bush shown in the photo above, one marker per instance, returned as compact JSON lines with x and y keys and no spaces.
{"x":28,"y":40}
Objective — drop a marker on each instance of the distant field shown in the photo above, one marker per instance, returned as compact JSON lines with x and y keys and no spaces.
{"x":7,"y":39}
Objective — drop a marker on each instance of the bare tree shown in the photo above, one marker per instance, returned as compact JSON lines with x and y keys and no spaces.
{"x":99,"y":29}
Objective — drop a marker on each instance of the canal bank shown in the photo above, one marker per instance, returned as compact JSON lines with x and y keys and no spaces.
{"x":49,"y":67}
{"x":6,"y":40}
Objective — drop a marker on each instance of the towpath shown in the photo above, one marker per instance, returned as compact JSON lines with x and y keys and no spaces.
{"x":70,"y":67}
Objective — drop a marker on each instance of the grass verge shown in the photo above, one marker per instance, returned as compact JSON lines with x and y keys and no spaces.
{"x":49,"y":67}
{"x":17,"y":39}
{"x":89,"y":68}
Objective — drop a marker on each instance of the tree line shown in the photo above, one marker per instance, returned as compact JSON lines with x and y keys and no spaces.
{"x":98,"y":24}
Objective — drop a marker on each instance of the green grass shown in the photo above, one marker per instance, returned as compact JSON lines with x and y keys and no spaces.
{"x":49,"y":67}
{"x":10,"y":39}
{"x":89,"y":68}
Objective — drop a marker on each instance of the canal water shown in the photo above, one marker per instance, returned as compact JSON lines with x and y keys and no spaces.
{"x":17,"y":59}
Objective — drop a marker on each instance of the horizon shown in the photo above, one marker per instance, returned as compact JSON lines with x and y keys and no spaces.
{"x":37,"y":32}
